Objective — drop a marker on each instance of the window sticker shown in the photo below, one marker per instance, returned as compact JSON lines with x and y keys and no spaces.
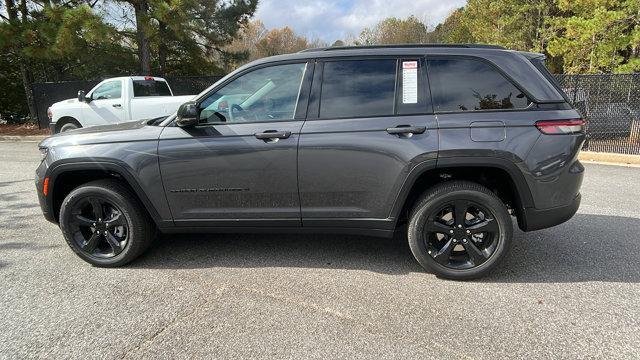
{"x":409,"y":82}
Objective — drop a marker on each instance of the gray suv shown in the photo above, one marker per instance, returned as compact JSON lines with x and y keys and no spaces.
{"x":445,"y":143}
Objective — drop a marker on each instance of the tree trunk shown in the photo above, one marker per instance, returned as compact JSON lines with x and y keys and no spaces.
{"x":162,"y":47}
{"x":144,"y":51}
{"x":27,"y":78}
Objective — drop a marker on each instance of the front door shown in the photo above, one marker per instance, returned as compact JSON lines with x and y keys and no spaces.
{"x":370,"y":124}
{"x":106,"y":104}
{"x":238,"y":167}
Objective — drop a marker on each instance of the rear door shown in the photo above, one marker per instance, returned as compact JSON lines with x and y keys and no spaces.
{"x":369,"y":124}
{"x":238,"y":167}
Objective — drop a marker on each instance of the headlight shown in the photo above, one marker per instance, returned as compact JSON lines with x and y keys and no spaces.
{"x":43,"y":153}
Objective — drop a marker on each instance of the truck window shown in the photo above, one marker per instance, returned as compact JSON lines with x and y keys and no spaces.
{"x":108,"y":90}
{"x":143,"y":88}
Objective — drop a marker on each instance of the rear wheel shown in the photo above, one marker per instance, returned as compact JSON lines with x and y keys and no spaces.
{"x":459,"y":230}
{"x":104,"y":224}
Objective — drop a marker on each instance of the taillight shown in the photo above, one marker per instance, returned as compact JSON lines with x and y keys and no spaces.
{"x":560,"y":127}
{"x":49,"y":114}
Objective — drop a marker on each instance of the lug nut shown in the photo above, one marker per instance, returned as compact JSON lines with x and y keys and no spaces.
{"x":455,"y":241}
{"x":468,"y":232}
{"x":459,"y":226}
{"x":464,"y":241}
{"x":451,"y":231}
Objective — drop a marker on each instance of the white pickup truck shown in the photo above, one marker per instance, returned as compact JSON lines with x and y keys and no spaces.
{"x":116,"y":100}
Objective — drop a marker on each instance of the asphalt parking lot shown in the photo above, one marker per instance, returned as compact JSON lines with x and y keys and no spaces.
{"x":567,"y":292}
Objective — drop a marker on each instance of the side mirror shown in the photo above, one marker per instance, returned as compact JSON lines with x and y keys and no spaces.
{"x":82,"y":97}
{"x":187,"y":114}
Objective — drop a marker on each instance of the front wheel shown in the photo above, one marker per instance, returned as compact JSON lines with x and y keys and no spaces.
{"x":105,"y":224}
{"x":459,"y":230}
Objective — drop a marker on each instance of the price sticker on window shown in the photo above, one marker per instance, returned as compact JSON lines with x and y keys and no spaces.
{"x":409,"y":82}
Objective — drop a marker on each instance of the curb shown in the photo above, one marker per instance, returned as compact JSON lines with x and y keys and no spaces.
{"x":18,"y":138}
{"x":609,"y":158}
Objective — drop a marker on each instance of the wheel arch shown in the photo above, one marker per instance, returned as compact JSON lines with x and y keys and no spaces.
{"x":66,"y":176}
{"x":65,"y":120}
{"x":488,"y":171}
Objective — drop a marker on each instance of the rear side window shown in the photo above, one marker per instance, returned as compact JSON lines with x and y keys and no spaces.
{"x":471,"y":85}
{"x":358,"y":88}
{"x":150,"y":88}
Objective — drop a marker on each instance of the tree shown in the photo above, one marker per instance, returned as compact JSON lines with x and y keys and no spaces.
{"x":394,"y":31}
{"x":52,"y":41}
{"x":254,"y":42}
{"x":597,"y":36}
{"x":187,"y":36}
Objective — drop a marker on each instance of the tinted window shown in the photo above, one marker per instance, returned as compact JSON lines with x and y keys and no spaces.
{"x":266,"y":94}
{"x":150,"y":88}
{"x":108,"y":90}
{"x":467,"y":85}
{"x":358,"y":88}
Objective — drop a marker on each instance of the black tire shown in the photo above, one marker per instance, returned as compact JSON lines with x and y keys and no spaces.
{"x":433,"y":229}
{"x":71,"y":125}
{"x":132,"y":237}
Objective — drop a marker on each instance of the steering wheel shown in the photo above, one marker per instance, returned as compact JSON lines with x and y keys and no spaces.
{"x":237,"y":107}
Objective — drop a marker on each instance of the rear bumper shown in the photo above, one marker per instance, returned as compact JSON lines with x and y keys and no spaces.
{"x":535,"y":219}
{"x":52,"y":128}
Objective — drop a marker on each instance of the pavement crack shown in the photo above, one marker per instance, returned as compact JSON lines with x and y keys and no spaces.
{"x":179,"y":317}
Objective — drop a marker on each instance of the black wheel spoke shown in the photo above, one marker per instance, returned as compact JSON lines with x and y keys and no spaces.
{"x":444,"y":254}
{"x":438,"y":227}
{"x":114,"y":243}
{"x":460,"y":212}
{"x":84,"y":221}
{"x":476,"y":255}
{"x":91,"y":244}
{"x":486,"y":225}
{"x":96,"y":205}
{"x":116,"y":220}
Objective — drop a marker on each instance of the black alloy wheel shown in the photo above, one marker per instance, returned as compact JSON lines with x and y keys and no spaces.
{"x":99,"y":227}
{"x":459,"y":230}
{"x":461,"y":235}
{"x":105,"y":224}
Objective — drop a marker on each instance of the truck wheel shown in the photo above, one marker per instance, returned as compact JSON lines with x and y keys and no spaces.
{"x":459,"y":230}
{"x":69,"y":126}
{"x":105,"y":224}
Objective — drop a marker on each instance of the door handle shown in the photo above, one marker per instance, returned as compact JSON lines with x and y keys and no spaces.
{"x":117,"y":105}
{"x":272,"y":135}
{"x":406,"y":129}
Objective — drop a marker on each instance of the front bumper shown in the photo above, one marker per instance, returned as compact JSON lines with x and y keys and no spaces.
{"x":43,"y":200}
{"x":535,"y":219}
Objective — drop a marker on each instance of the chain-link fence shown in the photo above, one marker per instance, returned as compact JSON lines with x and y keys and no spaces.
{"x":611,"y":106}
{"x":45,"y":94}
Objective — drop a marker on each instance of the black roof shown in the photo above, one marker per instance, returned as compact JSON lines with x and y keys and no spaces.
{"x":404,"y":46}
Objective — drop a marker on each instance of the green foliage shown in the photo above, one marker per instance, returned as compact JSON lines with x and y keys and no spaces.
{"x":597,"y":36}
{"x":394,"y":31}
{"x":579,"y":36}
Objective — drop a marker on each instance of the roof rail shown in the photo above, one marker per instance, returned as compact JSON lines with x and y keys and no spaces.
{"x":469,"y":46}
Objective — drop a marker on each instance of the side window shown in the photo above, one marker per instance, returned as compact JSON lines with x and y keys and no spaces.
{"x":266,"y":94}
{"x":108,"y":90}
{"x":468,"y":85}
{"x":358,"y":88}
